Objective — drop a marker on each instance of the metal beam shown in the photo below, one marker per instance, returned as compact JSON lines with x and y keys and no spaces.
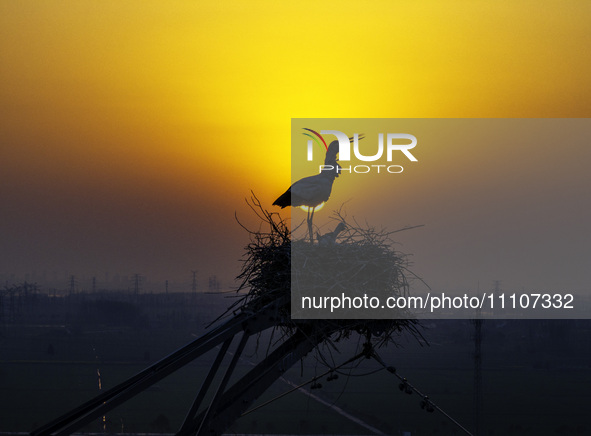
{"x":212,"y":409}
{"x":80,"y":416}
{"x":205,"y":386}
{"x":245,"y":391}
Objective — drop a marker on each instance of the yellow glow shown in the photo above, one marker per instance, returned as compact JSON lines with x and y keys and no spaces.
{"x":178,"y":97}
{"x":316,"y":209}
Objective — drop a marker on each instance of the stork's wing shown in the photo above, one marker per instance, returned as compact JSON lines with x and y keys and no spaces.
{"x":284,"y":199}
{"x":310,"y":191}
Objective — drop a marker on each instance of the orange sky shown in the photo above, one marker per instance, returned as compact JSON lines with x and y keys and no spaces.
{"x":130,"y":132}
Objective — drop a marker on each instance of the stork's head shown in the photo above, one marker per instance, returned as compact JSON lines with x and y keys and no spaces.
{"x":331,"y":152}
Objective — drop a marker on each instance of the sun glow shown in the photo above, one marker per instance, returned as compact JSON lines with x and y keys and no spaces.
{"x":309,"y":209}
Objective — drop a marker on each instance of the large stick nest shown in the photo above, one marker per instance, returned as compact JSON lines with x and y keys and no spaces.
{"x":362,"y":257}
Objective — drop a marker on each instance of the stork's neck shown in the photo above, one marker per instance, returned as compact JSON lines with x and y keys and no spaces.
{"x":331,"y":173}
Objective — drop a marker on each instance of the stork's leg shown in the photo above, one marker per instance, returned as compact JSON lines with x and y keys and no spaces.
{"x":308,"y":221}
{"x":310,"y":230}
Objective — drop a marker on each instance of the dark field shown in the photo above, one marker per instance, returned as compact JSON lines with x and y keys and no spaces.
{"x":536,"y":375}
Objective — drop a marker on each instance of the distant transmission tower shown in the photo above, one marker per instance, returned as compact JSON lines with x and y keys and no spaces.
{"x":72,"y":284}
{"x":137,"y":282}
{"x":194,"y":282}
{"x":214,"y":284}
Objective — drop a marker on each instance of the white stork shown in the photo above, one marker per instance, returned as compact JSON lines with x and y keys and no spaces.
{"x":314,"y":190}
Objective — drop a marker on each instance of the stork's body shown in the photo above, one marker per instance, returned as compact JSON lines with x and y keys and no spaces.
{"x":314,"y":190}
{"x":310,"y":191}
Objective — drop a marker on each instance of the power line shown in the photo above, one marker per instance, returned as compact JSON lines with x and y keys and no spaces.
{"x":295,"y":388}
{"x":408,"y":388}
{"x":405,"y":386}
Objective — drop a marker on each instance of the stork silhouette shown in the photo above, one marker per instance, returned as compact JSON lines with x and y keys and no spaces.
{"x":330,"y":238}
{"x":314,"y":190}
